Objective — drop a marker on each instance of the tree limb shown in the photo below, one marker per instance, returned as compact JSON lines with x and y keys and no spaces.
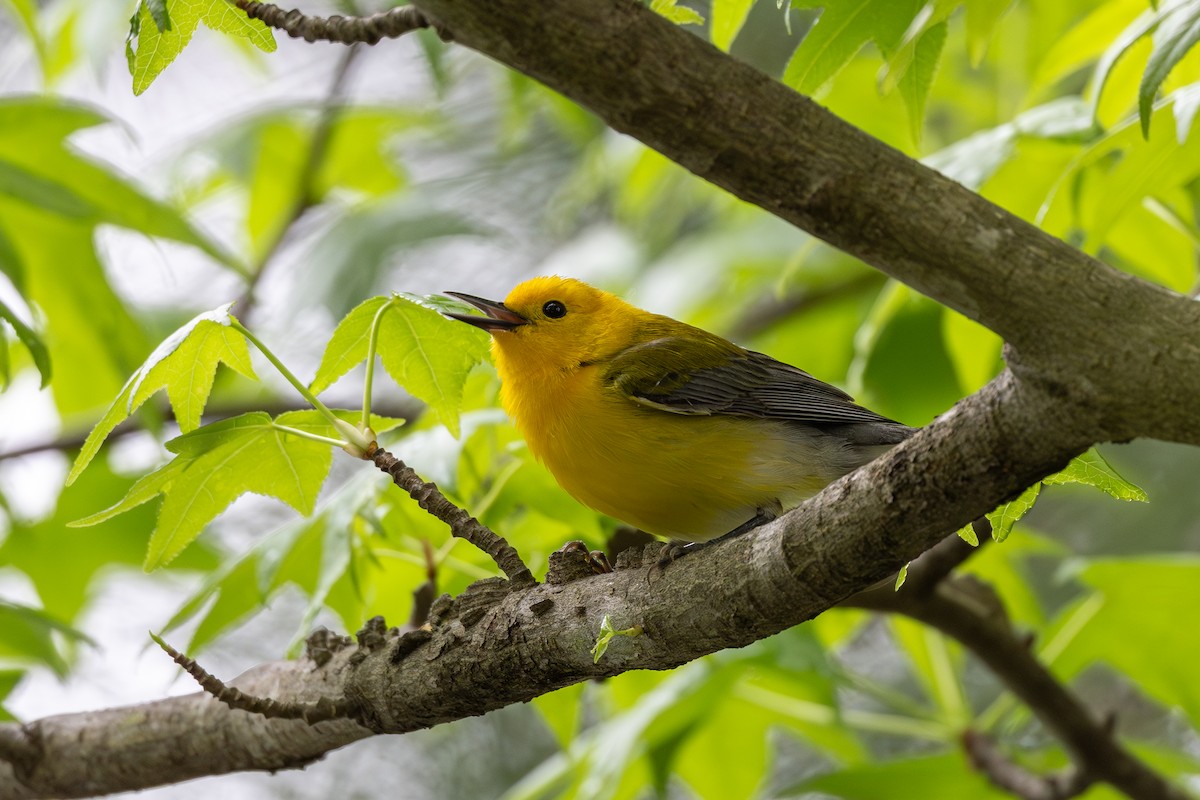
{"x":1099,"y":355}
{"x":536,"y":639}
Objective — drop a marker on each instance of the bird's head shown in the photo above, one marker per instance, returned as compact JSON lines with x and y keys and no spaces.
{"x":552,"y":323}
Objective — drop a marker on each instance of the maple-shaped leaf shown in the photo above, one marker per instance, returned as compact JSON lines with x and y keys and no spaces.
{"x":423,"y":351}
{"x":185,"y":365}
{"x":217,"y":463}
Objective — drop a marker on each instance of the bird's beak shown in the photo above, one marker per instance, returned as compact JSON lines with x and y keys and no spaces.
{"x":498,"y":317}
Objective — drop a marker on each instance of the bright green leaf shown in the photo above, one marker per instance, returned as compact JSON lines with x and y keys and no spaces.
{"x":144,"y":490}
{"x":185,"y":365}
{"x":968,"y":535}
{"x":423,"y":351}
{"x":28,"y":187}
{"x":230,"y":458}
{"x":841,"y":31}
{"x":1007,"y":515}
{"x":728,"y":16}
{"x":157,"y":46}
{"x":1091,"y":469}
{"x":1176,"y":35}
{"x":903,"y":575}
{"x":32,"y":341}
{"x":680,"y":15}
{"x":1085,"y":42}
{"x":918,"y":78}
{"x":607,"y":632}
{"x":982,"y":16}
{"x":1145,"y":22}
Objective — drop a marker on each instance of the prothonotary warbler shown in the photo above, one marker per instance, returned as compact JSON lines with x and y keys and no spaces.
{"x":660,"y":424}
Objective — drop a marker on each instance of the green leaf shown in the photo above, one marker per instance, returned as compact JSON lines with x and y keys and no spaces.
{"x":26,"y":634}
{"x":728,"y":16}
{"x":9,"y":678}
{"x":185,"y":365}
{"x":1145,"y":22}
{"x":423,"y":351}
{"x":349,"y":261}
{"x":153,"y":46}
{"x":903,"y":575}
{"x":841,"y":31}
{"x":144,"y":490}
{"x":1007,"y":515}
{"x":680,"y":15}
{"x":607,"y":632}
{"x":229,"y":458}
{"x":158,"y":11}
{"x":1091,"y":469}
{"x":18,"y":182}
{"x":918,"y":78}
{"x":32,"y":341}
{"x":1137,"y":628}
{"x":1175,"y":36}
{"x":968,"y":535}
{"x":1187,"y":103}
{"x":982,"y":16}
{"x":1085,"y":42}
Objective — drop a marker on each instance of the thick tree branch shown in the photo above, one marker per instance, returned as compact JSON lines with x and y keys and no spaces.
{"x":1101,"y":355}
{"x":1079,"y":326}
{"x":536,"y":639}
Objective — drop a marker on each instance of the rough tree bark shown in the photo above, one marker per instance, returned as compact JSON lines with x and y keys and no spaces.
{"x":1095,"y":355}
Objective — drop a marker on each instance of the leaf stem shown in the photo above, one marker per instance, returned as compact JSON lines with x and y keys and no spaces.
{"x":354,"y":436}
{"x":316,"y":437}
{"x":372,"y":346}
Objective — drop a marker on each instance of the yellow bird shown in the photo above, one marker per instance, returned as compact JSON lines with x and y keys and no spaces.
{"x":660,"y":424}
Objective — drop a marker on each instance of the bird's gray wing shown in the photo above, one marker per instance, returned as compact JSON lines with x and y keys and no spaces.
{"x":662,"y":374}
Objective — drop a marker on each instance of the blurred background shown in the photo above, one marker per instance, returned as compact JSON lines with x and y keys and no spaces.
{"x":301,"y":182}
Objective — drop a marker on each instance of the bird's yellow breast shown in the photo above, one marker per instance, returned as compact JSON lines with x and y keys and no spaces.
{"x":684,"y":477}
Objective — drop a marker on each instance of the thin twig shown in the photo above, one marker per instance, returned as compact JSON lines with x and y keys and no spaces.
{"x":347,"y":30}
{"x":322,"y":710}
{"x":461,"y":524}
{"x":1010,"y":776}
{"x":426,"y":593}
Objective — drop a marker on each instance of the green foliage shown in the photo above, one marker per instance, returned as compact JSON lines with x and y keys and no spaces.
{"x":607,"y":632}
{"x":423,"y":351}
{"x":185,"y":365}
{"x":1042,"y":107}
{"x":160,"y":29}
{"x":680,"y":15}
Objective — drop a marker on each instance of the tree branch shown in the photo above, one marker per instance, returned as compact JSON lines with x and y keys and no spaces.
{"x":347,"y":30}
{"x":1080,"y":327}
{"x":970,"y":612}
{"x":1012,"y":777}
{"x":461,"y":524}
{"x":1091,"y":342}
{"x":538,"y":638}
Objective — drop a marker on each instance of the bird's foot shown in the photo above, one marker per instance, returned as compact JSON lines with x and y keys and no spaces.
{"x":676,"y":549}
{"x":596,"y":559}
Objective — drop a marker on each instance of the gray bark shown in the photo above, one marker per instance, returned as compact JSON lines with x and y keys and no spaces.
{"x":1096,"y":355}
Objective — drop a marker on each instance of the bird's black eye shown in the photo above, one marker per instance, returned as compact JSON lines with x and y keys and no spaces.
{"x":554,"y":309}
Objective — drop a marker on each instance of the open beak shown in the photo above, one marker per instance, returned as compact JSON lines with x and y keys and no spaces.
{"x":498,"y":317}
